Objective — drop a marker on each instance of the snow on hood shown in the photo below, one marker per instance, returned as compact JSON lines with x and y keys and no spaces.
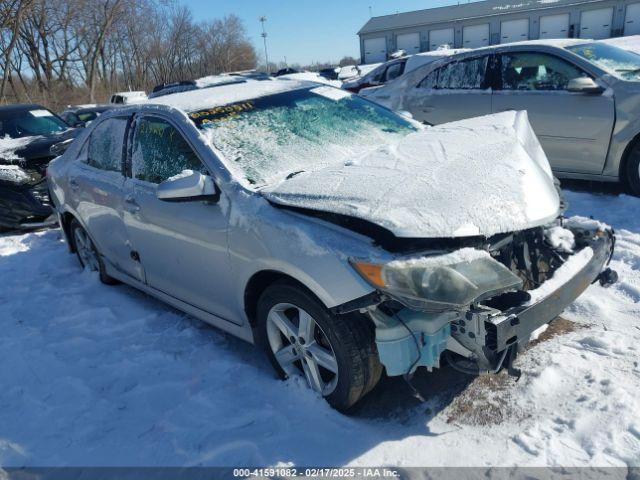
{"x":13,"y":174}
{"x":481,"y":176}
{"x":9,"y":146}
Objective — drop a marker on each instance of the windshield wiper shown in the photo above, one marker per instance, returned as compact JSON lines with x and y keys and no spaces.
{"x":293,"y":174}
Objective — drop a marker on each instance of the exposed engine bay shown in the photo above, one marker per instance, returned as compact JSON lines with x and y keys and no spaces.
{"x":551,"y":266}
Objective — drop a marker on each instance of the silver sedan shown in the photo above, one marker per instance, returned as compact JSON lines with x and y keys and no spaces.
{"x":342,"y":238}
{"x":582,"y":97}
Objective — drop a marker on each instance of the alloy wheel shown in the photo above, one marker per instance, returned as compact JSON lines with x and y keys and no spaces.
{"x":86,"y":250}
{"x":301,"y":347}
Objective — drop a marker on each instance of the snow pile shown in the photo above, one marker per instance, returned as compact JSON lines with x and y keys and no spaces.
{"x":631,"y":43}
{"x":225,"y":94}
{"x":13,"y":173}
{"x":464,"y":255}
{"x":105,"y":376}
{"x":9,"y":146}
{"x":562,"y":275}
{"x":560,"y":238}
{"x":312,"y":77}
{"x":480,"y":176}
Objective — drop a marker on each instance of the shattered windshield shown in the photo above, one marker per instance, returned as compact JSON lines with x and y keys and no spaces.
{"x":277,"y":136}
{"x":622,"y":63}
{"x":29,"y":123}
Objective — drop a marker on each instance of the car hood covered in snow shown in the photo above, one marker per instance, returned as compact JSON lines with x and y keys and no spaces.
{"x":481,"y":176}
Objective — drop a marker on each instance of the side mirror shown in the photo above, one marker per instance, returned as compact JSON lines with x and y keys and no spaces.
{"x":188,"y":186}
{"x":584,"y":85}
{"x":79,"y":124}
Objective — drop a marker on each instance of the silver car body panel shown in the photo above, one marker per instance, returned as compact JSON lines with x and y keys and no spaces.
{"x":584,"y":136}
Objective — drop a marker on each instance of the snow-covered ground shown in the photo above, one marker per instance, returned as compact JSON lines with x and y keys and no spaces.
{"x":98,"y":375}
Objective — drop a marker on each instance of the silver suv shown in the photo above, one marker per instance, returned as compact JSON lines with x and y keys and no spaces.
{"x":342,"y":238}
{"x":582,"y":97}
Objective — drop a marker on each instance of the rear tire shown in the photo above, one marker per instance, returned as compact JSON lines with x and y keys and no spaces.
{"x":631,"y":174}
{"x":284,"y":309}
{"x":87,"y":252}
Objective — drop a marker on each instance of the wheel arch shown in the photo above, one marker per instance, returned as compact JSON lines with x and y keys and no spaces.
{"x":626,"y":157}
{"x":259,"y":282}
{"x":65,"y":224}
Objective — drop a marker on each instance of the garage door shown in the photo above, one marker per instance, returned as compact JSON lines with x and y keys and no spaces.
{"x":514,"y":30}
{"x":409,"y":42}
{"x":554,"y":26}
{"x":596,"y":23}
{"x":475,"y":36}
{"x":375,"y":50}
{"x":443,"y":36}
{"x":632,"y":19}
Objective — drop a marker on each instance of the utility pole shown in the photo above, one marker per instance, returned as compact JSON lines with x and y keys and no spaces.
{"x":264,"y":37}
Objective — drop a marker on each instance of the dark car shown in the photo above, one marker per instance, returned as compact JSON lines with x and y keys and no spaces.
{"x":329,"y":73}
{"x":80,"y":115}
{"x":286,"y":71}
{"x":27,"y":135}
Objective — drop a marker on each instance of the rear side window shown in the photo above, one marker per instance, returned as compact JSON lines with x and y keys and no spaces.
{"x":537,"y":71}
{"x":106,"y":144}
{"x":160,"y":151}
{"x":463,"y":75}
{"x":458,"y":75}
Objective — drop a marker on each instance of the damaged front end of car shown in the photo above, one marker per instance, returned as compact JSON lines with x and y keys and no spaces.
{"x":479,"y":306}
{"x":24,"y":196}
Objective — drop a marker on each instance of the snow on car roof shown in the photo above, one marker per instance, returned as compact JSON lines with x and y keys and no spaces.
{"x":551,"y":42}
{"x":228,"y":93}
{"x":631,"y":43}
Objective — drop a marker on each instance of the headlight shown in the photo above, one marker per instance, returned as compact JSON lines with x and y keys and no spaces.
{"x":440,"y":281}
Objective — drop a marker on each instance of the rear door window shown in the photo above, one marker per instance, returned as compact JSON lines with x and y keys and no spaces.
{"x":106,"y":144}
{"x":458,"y":75}
{"x":160,"y":151}
{"x":463,"y":75}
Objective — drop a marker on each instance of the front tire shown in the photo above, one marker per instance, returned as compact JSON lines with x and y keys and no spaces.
{"x":335,"y":354}
{"x":87,"y":252}
{"x":631,"y":174}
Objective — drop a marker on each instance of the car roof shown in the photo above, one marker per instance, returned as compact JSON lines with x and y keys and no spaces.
{"x":90,"y":108}
{"x":21,"y":107}
{"x":225,"y":94}
{"x":553,"y":42}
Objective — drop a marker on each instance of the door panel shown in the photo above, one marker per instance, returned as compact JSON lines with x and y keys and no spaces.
{"x":574,"y":129}
{"x":375,"y":50}
{"x":554,"y":26}
{"x":443,"y":36}
{"x":452,"y":92}
{"x":409,"y":42}
{"x":182,"y":246}
{"x":596,"y":23}
{"x":97,"y":183}
{"x":475,"y":36}
{"x":632,"y":19}
{"x":514,"y":30}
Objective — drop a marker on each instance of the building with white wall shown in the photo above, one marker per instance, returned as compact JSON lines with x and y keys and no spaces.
{"x":490,"y":22}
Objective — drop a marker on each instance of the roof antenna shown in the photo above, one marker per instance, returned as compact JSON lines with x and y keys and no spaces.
{"x":370,"y":12}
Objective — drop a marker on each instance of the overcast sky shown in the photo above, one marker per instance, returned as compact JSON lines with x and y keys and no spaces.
{"x":306,"y":31}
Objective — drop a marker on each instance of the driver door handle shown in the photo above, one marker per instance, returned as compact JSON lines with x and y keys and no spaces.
{"x":73,"y":183}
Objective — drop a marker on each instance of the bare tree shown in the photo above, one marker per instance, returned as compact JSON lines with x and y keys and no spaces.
{"x":66,"y":51}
